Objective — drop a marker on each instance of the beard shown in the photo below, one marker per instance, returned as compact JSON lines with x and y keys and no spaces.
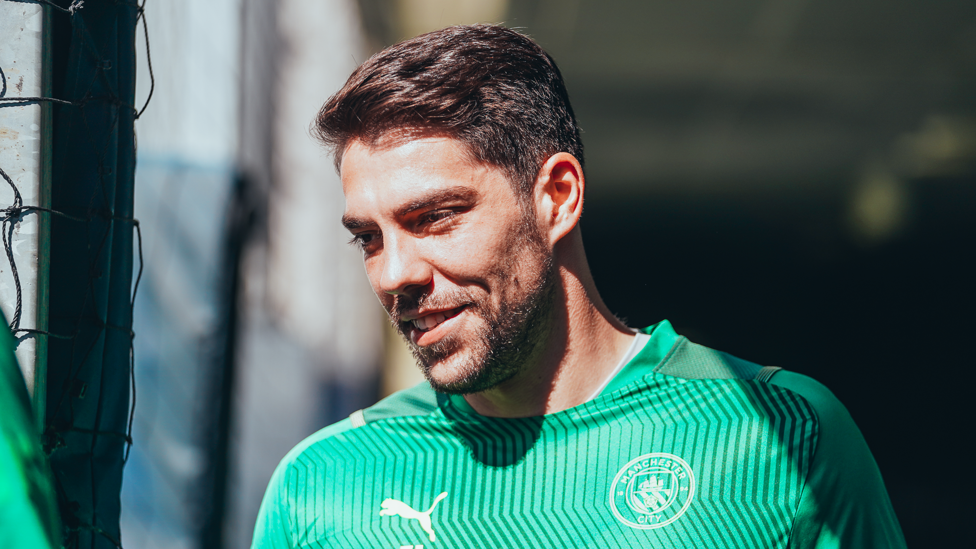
{"x":510,"y":332}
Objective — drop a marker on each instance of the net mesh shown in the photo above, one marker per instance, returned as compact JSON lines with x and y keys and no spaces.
{"x":88,"y":428}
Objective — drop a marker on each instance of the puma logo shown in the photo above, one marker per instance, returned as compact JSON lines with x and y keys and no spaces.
{"x":392,"y":507}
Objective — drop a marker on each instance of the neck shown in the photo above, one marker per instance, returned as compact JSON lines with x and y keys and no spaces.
{"x":584,"y":344}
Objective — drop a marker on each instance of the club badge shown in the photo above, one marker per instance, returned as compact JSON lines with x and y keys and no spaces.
{"x":652,"y":491}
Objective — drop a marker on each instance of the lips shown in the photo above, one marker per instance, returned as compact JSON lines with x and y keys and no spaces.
{"x":430,"y":321}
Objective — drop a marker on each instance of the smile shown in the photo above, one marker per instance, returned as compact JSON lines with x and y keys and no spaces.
{"x":428,"y":322}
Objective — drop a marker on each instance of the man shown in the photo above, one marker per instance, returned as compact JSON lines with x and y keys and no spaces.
{"x":545,"y":422}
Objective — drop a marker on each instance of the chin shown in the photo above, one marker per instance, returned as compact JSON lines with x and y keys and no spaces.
{"x":451,"y":375}
{"x":464,"y":375}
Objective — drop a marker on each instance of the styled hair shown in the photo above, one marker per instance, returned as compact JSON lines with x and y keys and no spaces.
{"x":489,"y":87}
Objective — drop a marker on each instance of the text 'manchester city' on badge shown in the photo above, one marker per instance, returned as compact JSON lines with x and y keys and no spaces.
{"x":652,"y":490}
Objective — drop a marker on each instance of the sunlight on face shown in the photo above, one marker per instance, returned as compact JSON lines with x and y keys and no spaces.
{"x":459,"y":265}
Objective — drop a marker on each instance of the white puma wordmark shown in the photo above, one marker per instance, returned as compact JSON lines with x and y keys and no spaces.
{"x":392,"y":507}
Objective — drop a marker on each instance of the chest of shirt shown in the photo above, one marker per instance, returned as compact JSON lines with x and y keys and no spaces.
{"x":634,"y":473}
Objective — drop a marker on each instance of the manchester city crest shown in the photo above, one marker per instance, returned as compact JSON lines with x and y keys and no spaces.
{"x":652,"y":491}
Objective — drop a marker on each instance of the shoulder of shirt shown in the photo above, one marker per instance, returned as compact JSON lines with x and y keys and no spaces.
{"x":415,"y":401}
{"x":843,"y":502}
{"x":689,"y":360}
{"x":833,"y":423}
{"x":823,"y":402}
{"x":418,"y":400}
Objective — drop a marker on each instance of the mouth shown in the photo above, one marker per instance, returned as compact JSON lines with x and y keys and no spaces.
{"x":430,"y":322}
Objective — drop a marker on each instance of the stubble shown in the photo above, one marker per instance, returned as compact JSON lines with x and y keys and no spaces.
{"x":510,"y":332}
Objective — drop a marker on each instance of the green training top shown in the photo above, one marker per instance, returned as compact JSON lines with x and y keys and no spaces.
{"x":686,"y":447}
{"x":28,"y":514}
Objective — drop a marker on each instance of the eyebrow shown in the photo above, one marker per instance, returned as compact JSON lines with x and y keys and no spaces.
{"x":354,"y":223}
{"x":437,"y":197}
{"x":424,"y":201}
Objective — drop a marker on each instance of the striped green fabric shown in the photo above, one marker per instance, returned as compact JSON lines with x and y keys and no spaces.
{"x":661,"y":461}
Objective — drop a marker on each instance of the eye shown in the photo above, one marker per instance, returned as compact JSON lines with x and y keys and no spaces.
{"x":437,"y":215}
{"x":365,"y":241}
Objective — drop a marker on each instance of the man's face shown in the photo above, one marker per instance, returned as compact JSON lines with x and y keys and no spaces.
{"x":463,"y":270}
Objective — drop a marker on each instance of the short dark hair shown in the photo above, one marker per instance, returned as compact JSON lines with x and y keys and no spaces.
{"x":490,"y":87}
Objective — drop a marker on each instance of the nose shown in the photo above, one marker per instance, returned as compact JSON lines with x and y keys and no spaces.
{"x":404,"y":267}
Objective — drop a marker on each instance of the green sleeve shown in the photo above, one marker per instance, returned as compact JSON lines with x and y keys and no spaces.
{"x":282,"y":503}
{"x":272,"y":530}
{"x":844,"y":503}
{"x":28,"y":513}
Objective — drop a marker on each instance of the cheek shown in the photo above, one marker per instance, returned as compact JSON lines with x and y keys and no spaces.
{"x":471,"y":259}
{"x":481,"y":246}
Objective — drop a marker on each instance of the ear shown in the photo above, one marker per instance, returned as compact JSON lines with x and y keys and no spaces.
{"x":559,"y":195}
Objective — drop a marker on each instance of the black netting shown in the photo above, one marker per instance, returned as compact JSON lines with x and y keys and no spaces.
{"x":93,"y":241}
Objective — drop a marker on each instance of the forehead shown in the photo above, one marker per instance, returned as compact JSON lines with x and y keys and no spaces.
{"x":379,"y":179}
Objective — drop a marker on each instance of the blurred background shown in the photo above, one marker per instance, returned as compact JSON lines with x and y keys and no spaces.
{"x":793,"y":182}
